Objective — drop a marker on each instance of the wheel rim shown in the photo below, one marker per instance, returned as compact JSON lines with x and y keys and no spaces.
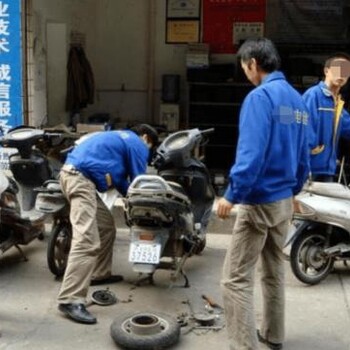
{"x":312,"y":260}
{"x":103,"y":297}
{"x":145,"y":324}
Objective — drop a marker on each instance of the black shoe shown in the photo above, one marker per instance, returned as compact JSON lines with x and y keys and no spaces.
{"x":273,"y":346}
{"x":107,"y":280}
{"x":77,"y":312}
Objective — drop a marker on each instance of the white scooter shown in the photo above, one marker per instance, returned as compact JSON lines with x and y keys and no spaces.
{"x":320,"y":230}
{"x":32,"y":195}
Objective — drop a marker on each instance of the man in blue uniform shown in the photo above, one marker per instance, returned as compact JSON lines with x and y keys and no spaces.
{"x":102,"y":161}
{"x":271,"y":167}
{"x":328,"y":119}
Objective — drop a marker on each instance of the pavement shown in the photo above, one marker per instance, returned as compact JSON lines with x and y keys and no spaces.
{"x":317,"y":317}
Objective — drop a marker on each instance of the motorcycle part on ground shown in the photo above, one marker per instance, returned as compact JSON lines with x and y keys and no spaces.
{"x":145,"y":330}
{"x":309,"y":262}
{"x":104,"y":297}
{"x":58,"y":248}
{"x":204,"y":319}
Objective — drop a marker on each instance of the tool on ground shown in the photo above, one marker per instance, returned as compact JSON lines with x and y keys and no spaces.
{"x":211,"y":302}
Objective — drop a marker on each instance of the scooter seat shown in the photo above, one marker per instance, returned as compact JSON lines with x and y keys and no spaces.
{"x":328,"y":189}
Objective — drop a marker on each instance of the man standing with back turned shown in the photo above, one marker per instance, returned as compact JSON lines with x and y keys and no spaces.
{"x":271,"y":167}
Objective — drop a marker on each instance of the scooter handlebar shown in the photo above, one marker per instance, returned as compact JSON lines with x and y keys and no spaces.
{"x":207,"y":131}
{"x":49,"y":135}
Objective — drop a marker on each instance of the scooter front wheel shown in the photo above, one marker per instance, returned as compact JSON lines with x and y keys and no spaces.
{"x":308,"y":261}
{"x":58,"y":248}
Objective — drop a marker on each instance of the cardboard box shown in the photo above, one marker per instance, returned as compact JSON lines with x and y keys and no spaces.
{"x":86,"y":128}
{"x":169,"y":116}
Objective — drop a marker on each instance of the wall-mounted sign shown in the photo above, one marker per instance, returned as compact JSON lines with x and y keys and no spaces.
{"x":11,"y":95}
{"x":183,"y":8}
{"x":245,"y":30}
{"x":182,"y":31}
{"x":220,"y":16}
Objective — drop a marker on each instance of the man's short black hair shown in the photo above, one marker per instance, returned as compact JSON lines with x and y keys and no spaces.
{"x":335,"y":56}
{"x":264,"y":52}
{"x":150,"y":131}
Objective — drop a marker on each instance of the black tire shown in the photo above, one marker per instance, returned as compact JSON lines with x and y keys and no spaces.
{"x":41,"y":237}
{"x":162,"y":331}
{"x":58,"y":248}
{"x":307,"y":260}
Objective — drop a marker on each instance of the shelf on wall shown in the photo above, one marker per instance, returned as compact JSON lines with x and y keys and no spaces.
{"x":216,"y":104}
{"x":206,"y":103}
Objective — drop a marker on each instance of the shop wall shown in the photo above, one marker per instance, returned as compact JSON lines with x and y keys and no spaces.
{"x":50,"y":86}
{"x":125,"y":46}
{"x":130,"y":58}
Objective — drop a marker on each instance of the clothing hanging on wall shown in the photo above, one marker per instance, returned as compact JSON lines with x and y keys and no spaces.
{"x":80,"y":80}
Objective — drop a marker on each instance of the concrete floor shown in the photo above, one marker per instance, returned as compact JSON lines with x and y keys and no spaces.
{"x":318,"y":317}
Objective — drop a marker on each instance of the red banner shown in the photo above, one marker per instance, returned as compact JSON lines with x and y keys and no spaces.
{"x":223,"y":18}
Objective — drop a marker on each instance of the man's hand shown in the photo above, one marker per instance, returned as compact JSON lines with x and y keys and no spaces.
{"x":296,"y":206}
{"x":224,"y":208}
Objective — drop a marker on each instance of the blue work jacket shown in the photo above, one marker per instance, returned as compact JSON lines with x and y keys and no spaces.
{"x":272,"y":159}
{"x":111,"y":159}
{"x":328,"y":122}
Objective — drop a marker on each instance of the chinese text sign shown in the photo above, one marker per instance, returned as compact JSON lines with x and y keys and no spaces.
{"x":10,"y":64}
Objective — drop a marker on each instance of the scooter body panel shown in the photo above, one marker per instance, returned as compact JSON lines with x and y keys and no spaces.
{"x":329,"y":210}
{"x":30,"y":168}
{"x":322,"y":210}
{"x":320,"y":231}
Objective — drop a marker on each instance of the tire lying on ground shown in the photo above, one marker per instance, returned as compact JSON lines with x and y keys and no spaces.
{"x":145,"y":330}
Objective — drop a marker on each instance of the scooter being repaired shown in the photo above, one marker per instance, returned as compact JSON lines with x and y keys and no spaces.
{"x":168,"y":213}
{"x":320,"y":231}
{"x":40,"y":196}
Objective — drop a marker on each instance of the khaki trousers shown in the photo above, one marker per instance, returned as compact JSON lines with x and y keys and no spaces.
{"x":94,"y":233}
{"x":259,"y":230}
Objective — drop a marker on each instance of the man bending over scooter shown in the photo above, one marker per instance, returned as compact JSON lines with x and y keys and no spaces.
{"x":102,"y":161}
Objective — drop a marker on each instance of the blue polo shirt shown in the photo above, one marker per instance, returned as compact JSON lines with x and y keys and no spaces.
{"x":325,"y":128}
{"x":111,"y":158}
{"x":272,"y":159}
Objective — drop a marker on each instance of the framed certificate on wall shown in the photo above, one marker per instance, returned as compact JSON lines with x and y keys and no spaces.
{"x":182,"y":31}
{"x":183,"y":8}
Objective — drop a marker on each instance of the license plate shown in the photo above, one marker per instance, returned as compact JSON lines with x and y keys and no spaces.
{"x":144,"y":253}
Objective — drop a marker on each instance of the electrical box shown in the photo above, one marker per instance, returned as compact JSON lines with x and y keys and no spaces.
{"x":170,"y":116}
